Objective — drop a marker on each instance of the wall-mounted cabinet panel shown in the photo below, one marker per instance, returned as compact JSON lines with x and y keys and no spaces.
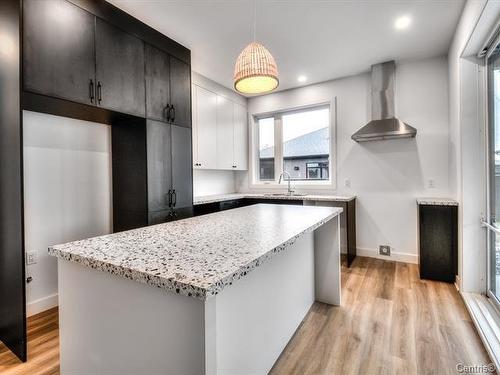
{"x":225,"y":133}
{"x":58,"y":50}
{"x":220,"y":131}
{"x":159,"y":155}
{"x":180,"y":93}
{"x":240,"y":139}
{"x":205,"y":129}
{"x":157,"y":84}
{"x":119,"y":70}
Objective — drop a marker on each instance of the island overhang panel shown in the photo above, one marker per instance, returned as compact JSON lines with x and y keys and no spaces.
{"x":238,"y":283}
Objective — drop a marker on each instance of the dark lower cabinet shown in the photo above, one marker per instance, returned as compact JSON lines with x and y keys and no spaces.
{"x":58,"y":50}
{"x":182,"y":174}
{"x":162,"y":190}
{"x":119,"y":70}
{"x":180,"y":93}
{"x":437,"y":236}
{"x":159,"y":162}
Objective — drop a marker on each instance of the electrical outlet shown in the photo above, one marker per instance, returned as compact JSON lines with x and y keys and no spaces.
{"x":31,"y":257}
{"x":384,"y":250}
{"x":431,"y":184}
{"x":347,"y":183}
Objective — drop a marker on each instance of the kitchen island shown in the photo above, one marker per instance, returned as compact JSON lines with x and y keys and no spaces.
{"x":216,"y":294}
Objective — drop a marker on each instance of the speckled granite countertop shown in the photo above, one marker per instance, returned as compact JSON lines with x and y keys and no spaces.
{"x":437,"y":201}
{"x":309,"y":197}
{"x":198,"y":257}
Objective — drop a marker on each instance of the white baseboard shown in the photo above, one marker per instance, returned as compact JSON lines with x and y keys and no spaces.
{"x":42,"y":304}
{"x":397,"y":257}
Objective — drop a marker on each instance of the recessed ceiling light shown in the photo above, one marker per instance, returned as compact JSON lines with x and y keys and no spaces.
{"x":301,"y":78}
{"x":402,"y":22}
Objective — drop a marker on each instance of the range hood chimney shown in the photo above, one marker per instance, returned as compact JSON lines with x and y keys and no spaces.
{"x":383,"y":125}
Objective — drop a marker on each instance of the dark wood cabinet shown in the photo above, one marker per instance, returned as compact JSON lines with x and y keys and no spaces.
{"x":182,"y":175}
{"x":437,"y":236}
{"x":159,"y":161}
{"x":58,"y":50}
{"x":180,"y":93}
{"x":157,"y":84}
{"x":163,"y":189}
{"x":129,"y":167}
{"x":12,"y":272}
{"x":119,"y":70}
{"x":168,"y":88}
{"x":85,"y":59}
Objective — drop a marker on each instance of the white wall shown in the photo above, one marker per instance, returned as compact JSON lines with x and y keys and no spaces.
{"x":209,"y":182}
{"x":67,"y":192}
{"x":466,"y":152}
{"x":386,"y":176}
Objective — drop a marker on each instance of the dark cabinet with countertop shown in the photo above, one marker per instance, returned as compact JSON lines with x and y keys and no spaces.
{"x":437,"y":237}
{"x":348,"y":217}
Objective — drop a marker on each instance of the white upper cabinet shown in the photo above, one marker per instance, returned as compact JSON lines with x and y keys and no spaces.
{"x":204,"y":128}
{"x":225,"y":131}
{"x":240,"y":138}
{"x":220,"y":132}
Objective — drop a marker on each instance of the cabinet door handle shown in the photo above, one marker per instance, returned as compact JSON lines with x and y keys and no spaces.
{"x":91,"y":90}
{"x":166,"y":112}
{"x":174,"y":194}
{"x":173,"y":115}
{"x":99,"y":91}
{"x":169,"y":198}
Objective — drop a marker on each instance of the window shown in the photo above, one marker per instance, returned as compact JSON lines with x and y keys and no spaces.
{"x":494,"y":173}
{"x":266,"y":149}
{"x":295,"y":142}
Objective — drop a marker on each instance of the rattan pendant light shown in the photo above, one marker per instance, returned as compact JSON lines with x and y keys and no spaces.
{"x":255,"y":71}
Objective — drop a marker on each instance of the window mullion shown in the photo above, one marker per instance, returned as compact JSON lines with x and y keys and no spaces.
{"x":278,"y":146}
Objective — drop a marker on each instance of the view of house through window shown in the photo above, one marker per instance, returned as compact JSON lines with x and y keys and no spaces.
{"x":266,"y":149}
{"x":305,"y":151}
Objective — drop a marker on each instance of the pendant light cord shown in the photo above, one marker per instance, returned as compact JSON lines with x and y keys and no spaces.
{"x":254,"y":20}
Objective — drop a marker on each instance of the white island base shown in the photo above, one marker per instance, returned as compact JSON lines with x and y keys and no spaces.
{"x":110,"y":325}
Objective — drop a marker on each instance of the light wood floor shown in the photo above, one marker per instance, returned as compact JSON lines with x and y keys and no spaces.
{"x":390,"y":322}
{"x":43,"y":348}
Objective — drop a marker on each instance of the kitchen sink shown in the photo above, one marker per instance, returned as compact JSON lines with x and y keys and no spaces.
{"x":284,"y":195}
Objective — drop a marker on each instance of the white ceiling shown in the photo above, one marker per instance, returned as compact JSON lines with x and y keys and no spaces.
{"x":321,"y":39}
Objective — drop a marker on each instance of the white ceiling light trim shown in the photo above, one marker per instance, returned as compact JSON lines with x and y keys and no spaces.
{"x":302,"y":78}
{"x":402,"y":22}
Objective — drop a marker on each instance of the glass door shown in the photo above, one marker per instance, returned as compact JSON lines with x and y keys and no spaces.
{"x":493,"y":224}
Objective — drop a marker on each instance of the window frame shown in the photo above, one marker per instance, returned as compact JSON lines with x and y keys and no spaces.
{"x":254,"y":181}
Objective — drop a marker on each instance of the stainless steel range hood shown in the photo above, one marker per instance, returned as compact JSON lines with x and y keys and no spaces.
{"x":383,"y":125}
